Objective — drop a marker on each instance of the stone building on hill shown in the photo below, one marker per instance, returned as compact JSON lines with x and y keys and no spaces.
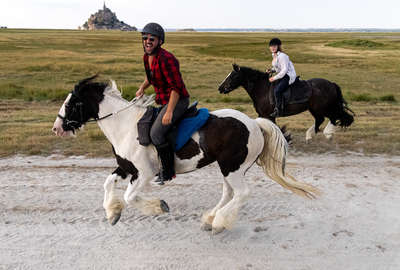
{"x":105,"y":19}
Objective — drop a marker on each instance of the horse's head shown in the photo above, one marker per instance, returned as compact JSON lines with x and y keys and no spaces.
{"x":232,"y":81}
{"x":79,"y":106}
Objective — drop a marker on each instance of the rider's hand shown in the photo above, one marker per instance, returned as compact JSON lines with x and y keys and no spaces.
{"x":140,"y":92}
{"x":271,"y":79}
{"x":167,"y":118}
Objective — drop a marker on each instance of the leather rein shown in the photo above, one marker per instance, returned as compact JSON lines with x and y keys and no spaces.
{"x":96,"y":119}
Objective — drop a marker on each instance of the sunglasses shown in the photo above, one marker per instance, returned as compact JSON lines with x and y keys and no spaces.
{"x":152,"y":39}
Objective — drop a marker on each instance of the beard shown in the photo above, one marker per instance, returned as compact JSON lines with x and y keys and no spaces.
{"x":152,"y":51}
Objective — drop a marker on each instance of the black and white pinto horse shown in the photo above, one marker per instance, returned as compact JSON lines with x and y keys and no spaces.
{"x":229,"y":137}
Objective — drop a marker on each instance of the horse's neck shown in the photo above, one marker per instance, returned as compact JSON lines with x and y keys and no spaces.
{"x":121,"y":126}
{"x":259,"y":92}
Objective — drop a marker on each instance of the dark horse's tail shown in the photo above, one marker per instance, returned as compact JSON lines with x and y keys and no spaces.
{"x":342,"y":114}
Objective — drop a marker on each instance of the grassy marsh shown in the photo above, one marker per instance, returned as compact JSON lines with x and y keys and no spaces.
{"x":39,"y":67}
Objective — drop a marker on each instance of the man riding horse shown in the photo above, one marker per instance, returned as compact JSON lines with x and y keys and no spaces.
{"x":227,"y":137}
{"x":162,"y":71}
{"x":286,"y":74}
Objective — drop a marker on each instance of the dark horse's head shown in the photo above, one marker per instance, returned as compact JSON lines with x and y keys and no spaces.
{"x":80,"y":105}
{"x":232,"y":81}
{"x":242,"y":76}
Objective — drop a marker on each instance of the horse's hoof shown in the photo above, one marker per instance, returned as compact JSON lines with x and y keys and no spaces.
{"x":217,"y":230}
{"x":206,"y":227}
{"x":115,"y":219}
{"x":164,"y":206}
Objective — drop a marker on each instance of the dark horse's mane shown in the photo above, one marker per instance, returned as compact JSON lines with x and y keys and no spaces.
{"x":90,"y":89}
{"x":253,"y":74}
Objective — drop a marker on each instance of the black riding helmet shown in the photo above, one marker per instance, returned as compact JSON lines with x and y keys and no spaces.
{"x":154,"y":29}
{"x":275,"y":41}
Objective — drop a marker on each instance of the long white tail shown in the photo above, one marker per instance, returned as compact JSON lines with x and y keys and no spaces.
{"x":273,"y":158}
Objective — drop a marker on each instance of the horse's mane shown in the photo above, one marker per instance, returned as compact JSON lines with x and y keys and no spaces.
{"x":111,"y":89}
{"x":253,"y":74}
{"x":144,"y":101}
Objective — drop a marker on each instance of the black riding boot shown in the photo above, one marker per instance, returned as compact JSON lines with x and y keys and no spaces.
{"x":278,"y":110}
{"x":166,"y":154}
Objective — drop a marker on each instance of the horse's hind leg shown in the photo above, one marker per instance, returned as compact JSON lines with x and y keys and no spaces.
{"x":226,"y":216}
{"x":318,"y":121}
{"x":208,"y":217}
{"x":314,"y":128}
{"x":329,"y":130}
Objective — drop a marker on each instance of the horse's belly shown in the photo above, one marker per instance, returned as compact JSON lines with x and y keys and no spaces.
{"x":189,"y":157}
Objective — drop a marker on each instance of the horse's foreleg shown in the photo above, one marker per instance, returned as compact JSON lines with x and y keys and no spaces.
{"x":148,"y":206}
{"x":329,"y":130}
{"x":112,"y":204}
{"x":226,"y":216}
{"x":208,"y":217}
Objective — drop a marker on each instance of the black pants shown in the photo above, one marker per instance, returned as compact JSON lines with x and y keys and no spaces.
{"x":281,"y":87}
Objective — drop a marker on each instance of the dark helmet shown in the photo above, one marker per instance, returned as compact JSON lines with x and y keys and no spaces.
{"x":275,"y":41}
{"x":154,"y":29}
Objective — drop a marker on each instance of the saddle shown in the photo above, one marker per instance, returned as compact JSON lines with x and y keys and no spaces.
{"x":182,"y":130}
{"x":298,"y":92}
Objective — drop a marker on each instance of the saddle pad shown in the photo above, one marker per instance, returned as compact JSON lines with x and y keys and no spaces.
{"x":190,"y":125}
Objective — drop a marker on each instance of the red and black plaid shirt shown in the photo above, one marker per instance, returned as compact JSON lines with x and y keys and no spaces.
{"x":164,"y":76}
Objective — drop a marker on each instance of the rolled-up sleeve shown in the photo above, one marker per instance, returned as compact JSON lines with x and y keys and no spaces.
{"x":170,"y":70}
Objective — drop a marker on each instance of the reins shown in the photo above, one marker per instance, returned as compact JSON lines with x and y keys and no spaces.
{"x":96,"y":119}
{"x":114,"y":113}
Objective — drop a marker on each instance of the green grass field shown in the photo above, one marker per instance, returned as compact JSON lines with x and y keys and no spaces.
{"x":39,"y":67}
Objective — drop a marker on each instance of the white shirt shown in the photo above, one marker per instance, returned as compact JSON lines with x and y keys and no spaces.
{"x":282,"y":65}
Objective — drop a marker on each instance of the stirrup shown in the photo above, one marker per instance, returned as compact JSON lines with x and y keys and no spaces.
{"x":160,"y":178}
{"x":275,"y":113}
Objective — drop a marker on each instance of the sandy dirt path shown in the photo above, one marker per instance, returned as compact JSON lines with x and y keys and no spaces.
{"x":52,"y":218}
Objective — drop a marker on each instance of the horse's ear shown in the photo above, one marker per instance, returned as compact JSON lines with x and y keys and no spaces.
{"x":87,"y":80}
{"x":236,"y":67}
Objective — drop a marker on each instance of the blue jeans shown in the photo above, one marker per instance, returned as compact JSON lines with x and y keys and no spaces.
{"x":282,"y":86}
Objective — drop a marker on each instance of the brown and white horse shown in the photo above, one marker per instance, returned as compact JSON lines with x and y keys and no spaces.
{"x":229,"y":137}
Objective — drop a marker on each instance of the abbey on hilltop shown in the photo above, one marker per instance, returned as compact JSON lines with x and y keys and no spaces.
{"x":105,"y":19}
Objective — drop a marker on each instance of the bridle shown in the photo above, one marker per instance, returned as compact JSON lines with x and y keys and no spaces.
{"x":79,"y":105}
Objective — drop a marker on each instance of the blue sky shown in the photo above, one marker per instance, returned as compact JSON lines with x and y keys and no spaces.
{"x":207,"y":13}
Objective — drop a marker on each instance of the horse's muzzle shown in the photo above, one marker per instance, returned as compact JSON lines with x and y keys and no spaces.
{"x":58,"y":129}
{"x":223,"y":90}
